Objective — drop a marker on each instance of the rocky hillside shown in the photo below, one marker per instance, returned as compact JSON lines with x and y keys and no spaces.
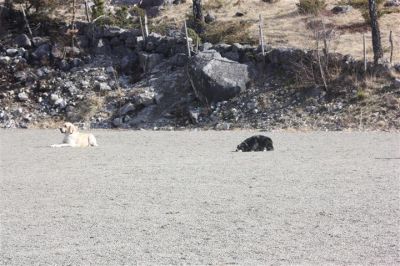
{"x":114,"y":77}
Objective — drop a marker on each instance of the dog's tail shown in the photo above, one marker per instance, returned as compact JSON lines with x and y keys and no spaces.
{"x":92,"y":140}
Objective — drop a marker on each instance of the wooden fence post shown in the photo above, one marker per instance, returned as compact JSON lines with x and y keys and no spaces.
{"x":146,"y":27}
{"x":391,"y":46}
{"x":365,"y":54}
{"x":141,"y":27}
{"x":87,"y":11}
{"x":261,"y":34}
{"x":26,"y":21}
{"x":187,"y":39}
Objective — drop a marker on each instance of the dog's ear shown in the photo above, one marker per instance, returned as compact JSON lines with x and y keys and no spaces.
{"x":71,"y":129}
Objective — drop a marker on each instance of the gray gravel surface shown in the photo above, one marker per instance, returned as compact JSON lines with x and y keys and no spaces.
{"x":186,"y":198}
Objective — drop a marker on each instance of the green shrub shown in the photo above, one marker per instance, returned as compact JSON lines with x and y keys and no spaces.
{"x":121,"y":19}
{"x":137,"y":11}
{"x":98,"y":9}
{"x":311,"y":6}
{"x":194,"y":36}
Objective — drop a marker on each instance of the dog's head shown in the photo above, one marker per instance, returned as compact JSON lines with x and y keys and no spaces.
{"x":242,"y":147}
{"x":68,"y":128}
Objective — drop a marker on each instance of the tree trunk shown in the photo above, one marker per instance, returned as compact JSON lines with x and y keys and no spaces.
{"x":376,"y":35}
{"x":198,"y":16}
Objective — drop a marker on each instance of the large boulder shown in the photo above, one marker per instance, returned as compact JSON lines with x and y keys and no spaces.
{"x":215,"y":78}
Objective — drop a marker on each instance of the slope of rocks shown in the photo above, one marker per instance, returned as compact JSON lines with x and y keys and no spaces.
{"x":115,"y":78}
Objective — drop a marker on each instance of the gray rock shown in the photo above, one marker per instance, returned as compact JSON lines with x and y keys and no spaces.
{"x":110,"y":70}
{"x":37,"y":41}
{"x":210,"y":17}
{"x":72,"y":51}
{"x":153,"y":3}
{"x":194,"y":114}
{"x":206,"y":46}
{"x":396,"y":83}
{"x":5,"y":60}
{"x":145,"y":98}
{"x":12,"y":52}
{"x":64,"y":65}
{"x":115,"y":42}
{"x":234,"y":56}
{"x":62,"y":103}
{"x":57,"y":51}
{"x":392,"y":3}
{"x":397,"y":67}
{"x":112,"y":31}
{"x":149,"y":61}
{"x":76,"y":62}
{"x":118,"y":121}
{"x":128,"y":107}
{"x":43,"y":51}
{"x":82,"y":41}
{"x":102,"y":47}
{"x":179,"y":59}
{"x":21,"y":76}
{"x":23,"y":40}
{"x":54,"y":97}
{"x":223,"y":126}
{"x":102,"y":86}
{"x":215,"y":78}
{"x":127,"y":62}
{"x":22,"y":96}
{"x":341,"y":9}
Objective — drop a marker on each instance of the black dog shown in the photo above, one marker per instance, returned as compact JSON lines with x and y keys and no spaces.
{"x":256,"y":143}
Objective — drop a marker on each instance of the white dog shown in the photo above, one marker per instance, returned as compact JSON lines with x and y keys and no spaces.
{"x":75,"y":139}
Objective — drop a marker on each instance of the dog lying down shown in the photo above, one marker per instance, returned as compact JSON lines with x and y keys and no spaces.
{"x":72,"y":138}
{"x":256,"y":143}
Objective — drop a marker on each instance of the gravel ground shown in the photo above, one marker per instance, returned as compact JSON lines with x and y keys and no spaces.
{"x":186,"y":198}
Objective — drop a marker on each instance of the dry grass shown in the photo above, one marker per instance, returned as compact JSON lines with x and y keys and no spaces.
{"x":285,"y":26}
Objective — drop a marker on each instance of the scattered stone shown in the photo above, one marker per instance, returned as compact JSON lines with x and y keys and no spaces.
{"x":118,"y":121}
{"x":222,"y":126}
{"x":22,"y":96}
{"x":102,"y":86}
{"x":12,"y":52}
{"x":62,"y":103}
{"x":209,"y":18}
{"x":396,"y":83}
{"x":43,"y":51}
{"x":145,"y":98}
{"x":5,"y":60}
{"x":37,"y":41}
{"x":23,"y":40}
{"x":21,"y":76}
{"x":341,"y":9}
{"x":392,"y":3}
{"x":129,"y":107}
{"x":194,"y":114}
